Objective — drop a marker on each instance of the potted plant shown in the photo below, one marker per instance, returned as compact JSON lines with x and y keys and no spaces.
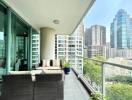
{"x":66,"y":67}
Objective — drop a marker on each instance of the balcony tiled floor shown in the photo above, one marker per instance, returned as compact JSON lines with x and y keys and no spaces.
{"x":73,"y":89}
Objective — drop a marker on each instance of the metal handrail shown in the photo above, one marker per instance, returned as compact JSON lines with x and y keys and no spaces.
{"x":103,"y":70}
{"x":114,"y":64}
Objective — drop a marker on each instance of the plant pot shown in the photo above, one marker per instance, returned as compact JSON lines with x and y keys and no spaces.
{"x":67,"y":70}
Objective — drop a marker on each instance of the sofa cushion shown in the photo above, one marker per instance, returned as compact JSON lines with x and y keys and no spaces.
{"x":56,"y":63}
{"x":19,"y":72}
{"x":46,"y":63}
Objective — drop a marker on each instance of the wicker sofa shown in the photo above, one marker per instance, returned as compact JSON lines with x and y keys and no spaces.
{"x":23,"y":87}
{"x":17,"y":87}
{"x":48,"y":87}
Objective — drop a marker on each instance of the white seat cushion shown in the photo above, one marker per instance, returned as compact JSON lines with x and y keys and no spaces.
{"x":19,"y":72}
{"x":44,"y":63}
{"x":56,"y":63}
{"x":47,"y":63}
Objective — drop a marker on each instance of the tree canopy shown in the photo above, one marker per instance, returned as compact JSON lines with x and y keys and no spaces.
{"x":119,"y":91}
{"x":92,"y":71}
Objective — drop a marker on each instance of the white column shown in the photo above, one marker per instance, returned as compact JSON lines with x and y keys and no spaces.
{"x":47,"y":43}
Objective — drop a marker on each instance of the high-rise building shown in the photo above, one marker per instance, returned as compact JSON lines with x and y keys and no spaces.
{"x":95,"y":40}
{"x":95,"y":35}
{"x":121,"y":31}
{"x":121,"y":36}
{"x":70,"y":48}
{"x":35,"y":49}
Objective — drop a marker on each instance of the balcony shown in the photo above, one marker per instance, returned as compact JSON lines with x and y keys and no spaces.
{"x":16,"y":17}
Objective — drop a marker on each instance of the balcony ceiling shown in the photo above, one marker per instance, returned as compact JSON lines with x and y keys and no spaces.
{"x":42,"y":13}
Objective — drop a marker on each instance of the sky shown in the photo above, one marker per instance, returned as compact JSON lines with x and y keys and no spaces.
{"x":103,"y":12}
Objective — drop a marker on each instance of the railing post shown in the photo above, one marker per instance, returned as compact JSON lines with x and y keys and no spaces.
{"x":103,"y":79}
{"x":8,"y":52}
{"x":30,"y":49}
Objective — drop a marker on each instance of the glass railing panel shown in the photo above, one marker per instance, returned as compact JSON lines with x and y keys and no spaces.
{"x":118,"y":83}
{"x":92,"y":72}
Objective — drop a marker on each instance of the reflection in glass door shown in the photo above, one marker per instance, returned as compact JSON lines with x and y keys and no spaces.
{"x":2,"y":39}
{"x":20,"y":47}
{"x":21,"y":52}
{"x":19,"y":44}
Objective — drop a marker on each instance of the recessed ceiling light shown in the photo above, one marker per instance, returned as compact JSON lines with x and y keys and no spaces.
{"x":56,"y":21}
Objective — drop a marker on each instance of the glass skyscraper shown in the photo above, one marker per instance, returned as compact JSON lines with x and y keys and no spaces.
{"x":121,"y":30}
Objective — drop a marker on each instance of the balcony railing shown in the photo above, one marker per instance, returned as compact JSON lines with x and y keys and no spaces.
{"x":111,"y":80}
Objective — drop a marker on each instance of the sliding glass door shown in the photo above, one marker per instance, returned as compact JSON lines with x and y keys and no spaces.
{"x":20,"y":32}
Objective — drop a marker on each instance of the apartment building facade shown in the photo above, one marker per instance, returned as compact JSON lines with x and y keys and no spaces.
{"x":35,"y":49}
{"x":70,"y":48}
{"x":95,"y":40}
